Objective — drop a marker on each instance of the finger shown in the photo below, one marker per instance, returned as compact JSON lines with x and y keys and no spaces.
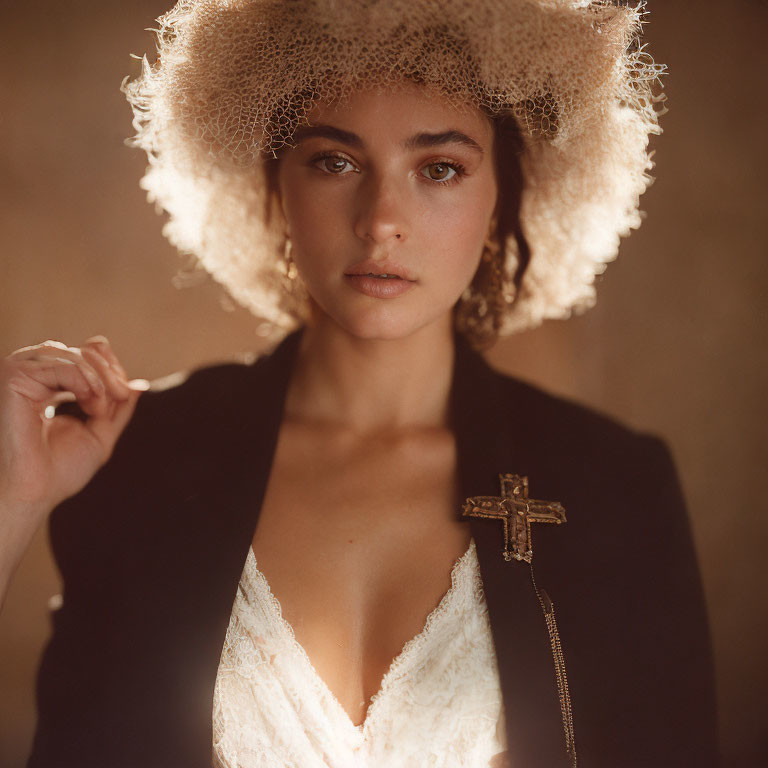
{"x":101,"y":343}
{"x":117,"y":386}
{"x":62,"y":397}
{"x":62,"y":353}
{"x":38,"y":380}
{"x":104,"y":407}
{"x":49,"y":409}
{"x":48,"y":343}
{"x":89,"y":373}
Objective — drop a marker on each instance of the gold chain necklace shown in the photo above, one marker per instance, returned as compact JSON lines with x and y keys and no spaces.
{"x":562,"y":680}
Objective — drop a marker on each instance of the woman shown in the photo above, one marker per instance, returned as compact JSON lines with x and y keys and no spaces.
{"x":362,"y":492}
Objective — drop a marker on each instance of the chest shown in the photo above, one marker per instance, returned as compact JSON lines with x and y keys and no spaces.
{"x":357,"y":540}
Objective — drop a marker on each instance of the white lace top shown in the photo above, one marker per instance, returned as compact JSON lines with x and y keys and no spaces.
{"x":439,"y":703}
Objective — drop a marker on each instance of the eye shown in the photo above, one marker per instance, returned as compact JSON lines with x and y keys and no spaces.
{"x":445,"y":173}
{"x":330,"y":163}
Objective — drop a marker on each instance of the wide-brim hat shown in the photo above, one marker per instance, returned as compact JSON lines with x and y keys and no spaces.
{"x":234,"y":78}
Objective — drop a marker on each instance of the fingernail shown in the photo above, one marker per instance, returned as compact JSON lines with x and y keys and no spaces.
{"x":139,"y":385}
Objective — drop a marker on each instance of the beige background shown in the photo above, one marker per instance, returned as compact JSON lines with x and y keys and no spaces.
{"x":676,"y":344}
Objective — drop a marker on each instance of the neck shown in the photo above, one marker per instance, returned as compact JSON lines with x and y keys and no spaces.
{"x":370,"y":385}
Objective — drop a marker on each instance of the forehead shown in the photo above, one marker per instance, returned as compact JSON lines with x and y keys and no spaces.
{"x":398,"y":112}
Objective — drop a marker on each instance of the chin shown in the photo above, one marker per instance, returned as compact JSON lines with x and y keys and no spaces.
{"x":379,"y":320}
{"x":380,"y":325}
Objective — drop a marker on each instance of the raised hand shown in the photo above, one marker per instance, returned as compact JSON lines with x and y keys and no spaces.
{"x":45,"y":458}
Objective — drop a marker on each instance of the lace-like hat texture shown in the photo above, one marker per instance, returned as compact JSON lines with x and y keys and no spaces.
{"x":234,"y":78}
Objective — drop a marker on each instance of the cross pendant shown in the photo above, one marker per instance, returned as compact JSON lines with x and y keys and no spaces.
{"x":517,"y":512}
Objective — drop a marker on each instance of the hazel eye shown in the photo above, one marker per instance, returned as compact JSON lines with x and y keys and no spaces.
{"x":442,"y":172}
{"x":332,"y":164}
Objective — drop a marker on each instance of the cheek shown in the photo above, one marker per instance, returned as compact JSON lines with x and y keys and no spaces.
{"x":453,"y":237}
{"x":316,"y":222}
{"x":306,"y":211}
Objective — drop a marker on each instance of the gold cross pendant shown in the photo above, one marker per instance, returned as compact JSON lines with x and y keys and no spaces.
{"x":517,"y":512}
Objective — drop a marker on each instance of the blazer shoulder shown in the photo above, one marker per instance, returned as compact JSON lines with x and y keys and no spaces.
{"x":564,"y":418}
{"x":204,"y":387}
{"x":194,"y":401}
{"x":185,"y":428}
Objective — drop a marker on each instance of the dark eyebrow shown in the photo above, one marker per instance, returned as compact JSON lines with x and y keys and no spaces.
{"x":452,"y":136}
{"x":327,"y":132}
{"x":419,"y":141}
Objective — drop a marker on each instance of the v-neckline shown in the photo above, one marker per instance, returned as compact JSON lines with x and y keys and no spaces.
{"x":397,"y":662}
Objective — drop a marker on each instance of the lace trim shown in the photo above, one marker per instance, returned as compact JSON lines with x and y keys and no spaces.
{"x":256,"y":579}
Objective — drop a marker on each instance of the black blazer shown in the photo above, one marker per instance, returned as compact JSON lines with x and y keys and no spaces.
{"x":152,"y":549}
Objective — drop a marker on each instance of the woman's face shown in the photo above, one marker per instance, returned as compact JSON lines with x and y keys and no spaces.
{"x":388,"y":183}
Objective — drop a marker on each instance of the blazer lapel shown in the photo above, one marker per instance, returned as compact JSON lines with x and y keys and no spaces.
{"x":487,"y":447}
{"x":250,"y":450}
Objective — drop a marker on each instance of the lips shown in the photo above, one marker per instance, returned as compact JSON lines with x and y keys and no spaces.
{"x":383,"y":270}
{"x":386,"y":277}
{"x":380,"y":287}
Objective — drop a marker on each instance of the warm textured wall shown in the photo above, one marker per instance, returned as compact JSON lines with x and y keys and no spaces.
{"x":676,"y":344}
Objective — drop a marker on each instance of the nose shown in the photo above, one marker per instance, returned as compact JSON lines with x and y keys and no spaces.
{"x":382,"y":213}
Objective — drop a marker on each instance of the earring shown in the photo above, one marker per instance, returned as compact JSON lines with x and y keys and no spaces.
{"x":483,"y":304}
{"x":502,"y":287}
{"x":288,"y":266}
{"x":491,"y":284}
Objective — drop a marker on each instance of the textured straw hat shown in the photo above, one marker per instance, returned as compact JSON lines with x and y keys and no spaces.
{"x":234,"y":78}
